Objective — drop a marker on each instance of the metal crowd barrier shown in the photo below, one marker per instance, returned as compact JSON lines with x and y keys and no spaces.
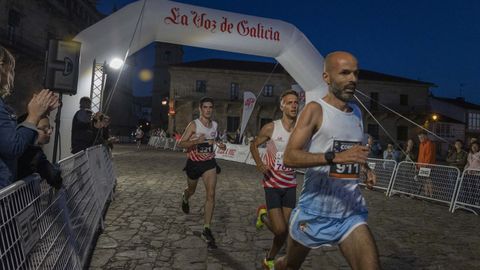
{"x":170,"y":144}
{"x":426,"y":181}
{"x":468,"y":195}
{"x":164,"y":143}
{"x":97,"y":158}
{"x":384,"y":170}
{"x":43,"y":228}
{"x":125,"y":139}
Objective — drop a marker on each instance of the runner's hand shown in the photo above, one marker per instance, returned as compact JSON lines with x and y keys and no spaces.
{"x":221,"y":146}
{"x":356,"y":154}
{"x":371,"y":179}
{"x":262,"y":168}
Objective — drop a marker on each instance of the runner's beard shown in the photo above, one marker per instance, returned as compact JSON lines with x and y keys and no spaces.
{"x":344,"y":95}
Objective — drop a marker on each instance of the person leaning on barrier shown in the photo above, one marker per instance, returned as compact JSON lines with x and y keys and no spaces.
{"x":374,"y":148}
{"x":457,"y":157}
{"x":473,"y":159}
{"x":426,"y":155}
{"x":34,"y":160}
{"x":101,"y":132}
{"x":409,"y":153}
{"x":14,"y":139}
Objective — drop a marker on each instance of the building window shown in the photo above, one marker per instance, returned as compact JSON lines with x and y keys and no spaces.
{"x":233,"y":91}
{"x":374,"y":101}
{"x":402,"y":133}
{"x":264,"y":121}
{"x":201,"y":86}
{"x":372,"y":129}
{"x":443,"y":130}
{"x":268,"y":90}
{"x":233,"y":122}
{"x":404,"y":100}
{"x":474,"y":121}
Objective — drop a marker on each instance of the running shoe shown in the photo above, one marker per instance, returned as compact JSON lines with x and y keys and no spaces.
{"x":268,"y":264}
{"x":261,"y":210}
{"x":208,"y":237}
{"x":185,"y":205}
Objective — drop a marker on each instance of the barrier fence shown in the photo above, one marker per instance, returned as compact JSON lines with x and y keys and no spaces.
{"x":384,"y":170}
{"x":164,"y":143}
{"x":443,"y":183}
{"x":43,"y":228}
{"x":426,"y":181}
{"x":468,"y":195}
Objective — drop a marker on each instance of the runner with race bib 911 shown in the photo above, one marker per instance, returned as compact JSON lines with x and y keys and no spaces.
{"x":327,"y":141}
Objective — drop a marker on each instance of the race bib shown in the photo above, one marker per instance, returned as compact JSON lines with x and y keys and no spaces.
{"x":204,"y":148}
{"x":347,"y":171}
{"x":279,"y":166}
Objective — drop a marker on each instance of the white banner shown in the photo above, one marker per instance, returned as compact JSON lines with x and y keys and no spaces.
{"x":233,"y":152}
{"x":249,"y":100}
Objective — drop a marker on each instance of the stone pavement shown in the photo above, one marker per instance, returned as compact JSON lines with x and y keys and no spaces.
{"x":146,"y":229}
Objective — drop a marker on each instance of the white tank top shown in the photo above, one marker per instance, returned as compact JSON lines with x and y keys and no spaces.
{"x":203,"y":151}
{"x":278,"y":175}
{"x":332,"y":191}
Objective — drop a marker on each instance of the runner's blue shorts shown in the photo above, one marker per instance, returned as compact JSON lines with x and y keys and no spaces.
{"x":314,"y":231}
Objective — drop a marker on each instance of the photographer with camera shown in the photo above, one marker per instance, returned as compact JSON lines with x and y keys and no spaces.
{"x":87,"y":127}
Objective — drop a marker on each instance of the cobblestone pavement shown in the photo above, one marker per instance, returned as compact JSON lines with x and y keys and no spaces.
{"x":146,"y":229}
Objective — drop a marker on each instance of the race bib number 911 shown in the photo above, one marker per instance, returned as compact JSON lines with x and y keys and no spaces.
{"x":347,"y":171}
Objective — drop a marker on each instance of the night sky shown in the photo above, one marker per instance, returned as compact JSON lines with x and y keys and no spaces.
{"x":433,"y":41}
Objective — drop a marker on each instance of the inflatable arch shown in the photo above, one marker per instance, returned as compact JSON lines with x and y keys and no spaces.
{"x":190,"y":25}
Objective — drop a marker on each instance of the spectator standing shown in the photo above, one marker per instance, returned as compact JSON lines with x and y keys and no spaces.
{"x":473,"y":159}
{"x":82,"y":134}
{"x":390,"y":153}
{"x":34,"y":159}
{"x":426,"y":155}
{"x":375,"y":149}
{"x":410,"y":152}
{"x":14,"y":140}
{"x":457,"y":157}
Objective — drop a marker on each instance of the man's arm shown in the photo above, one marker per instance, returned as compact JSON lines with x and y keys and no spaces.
{"x":185,"y":141}
{"x":309,"y":122}
{"x":264,"y":135}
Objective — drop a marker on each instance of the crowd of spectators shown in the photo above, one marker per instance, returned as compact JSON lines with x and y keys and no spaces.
{"x":23,"y":138}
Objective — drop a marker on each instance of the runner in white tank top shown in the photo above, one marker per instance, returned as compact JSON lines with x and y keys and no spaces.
{"x":199,"y":140}
{"x":279,"y":181}
{"x":326,"y":140}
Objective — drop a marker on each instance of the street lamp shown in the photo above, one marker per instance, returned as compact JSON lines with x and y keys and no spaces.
{"x":434,"y":117}
{"x":116,"y":63}
{"x":165,"y":101}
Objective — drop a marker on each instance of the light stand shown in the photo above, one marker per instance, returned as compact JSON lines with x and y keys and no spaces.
{"x":57,"y":129}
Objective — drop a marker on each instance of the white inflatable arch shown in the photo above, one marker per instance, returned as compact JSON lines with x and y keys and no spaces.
{"x":183,"y":24}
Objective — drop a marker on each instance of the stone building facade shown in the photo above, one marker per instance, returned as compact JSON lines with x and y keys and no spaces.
{"x":226,"y":80}
{"x":25,"y":28}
